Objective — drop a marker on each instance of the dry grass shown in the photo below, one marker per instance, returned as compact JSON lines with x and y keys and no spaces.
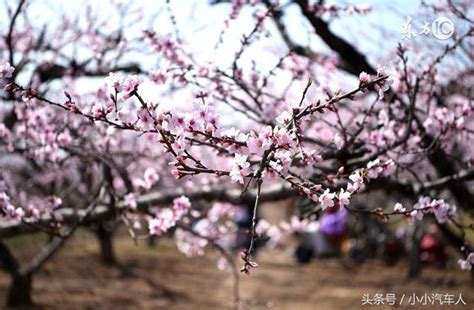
{"x":162,"y":278}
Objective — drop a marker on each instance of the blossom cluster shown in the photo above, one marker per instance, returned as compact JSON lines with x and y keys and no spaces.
{"x":116,"y":137}
{"x":166,"y":218}
{"x":216,"y":228}
{"x":32,"y":211}
{"x":6,"y":71}
{"x":8,"y":209}
{"x":442,"y":211}
{"x":466,"y":264}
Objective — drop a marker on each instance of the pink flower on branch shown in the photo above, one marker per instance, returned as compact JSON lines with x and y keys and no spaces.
{"x":466,"y":264}
{"x":364,"y":78}
{"x":344,"y":198}
{"x":167,"y":218}
{"x":130,"y":85}
{"x":275,"y":136}
{"x":327,"y":199}
{"x":6,"y":71}
{"x":240,"y":168}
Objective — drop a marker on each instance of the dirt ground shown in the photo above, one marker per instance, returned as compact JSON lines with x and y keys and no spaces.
{"x":160,"y":277}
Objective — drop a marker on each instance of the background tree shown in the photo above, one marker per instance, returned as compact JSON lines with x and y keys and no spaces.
{"x":107,"y":120}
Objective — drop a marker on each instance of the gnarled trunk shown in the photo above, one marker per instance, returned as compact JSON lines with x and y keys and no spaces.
{"x":19,"y":292}
{"x":414,"y":255}
{"x":104,"y":236}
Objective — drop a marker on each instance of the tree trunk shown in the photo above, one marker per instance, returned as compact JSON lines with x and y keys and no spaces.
{"x":19,"y":292}
{"x":414,"y":257}
{"x":106,"y":245}
{"x":151,"y":240}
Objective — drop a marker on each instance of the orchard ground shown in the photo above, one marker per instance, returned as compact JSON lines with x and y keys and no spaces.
{"x":160,"y":277}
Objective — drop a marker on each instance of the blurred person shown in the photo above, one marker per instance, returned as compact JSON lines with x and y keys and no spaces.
{"x":313,"y":243}
{"x":432,"y":247}
{"x":334,"y":227}
{"x":394,"y":247}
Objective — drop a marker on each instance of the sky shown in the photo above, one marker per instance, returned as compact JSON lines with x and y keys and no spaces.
{"x":200,"y":26}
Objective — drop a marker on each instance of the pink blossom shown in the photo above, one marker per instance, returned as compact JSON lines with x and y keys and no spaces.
{"x":130,"y":200}
{"x":34,"y":211}
{"x":399,"y":208}
{"x":127,"y":116}
{"x":166,"y":218}
{"x":220,"y":210}
{"x":240,"y":168}
{"x":384,"y":85}
{"x":177,"y":123}
{"x":353,"y":187}
{"x":14,"y":213}
{"x":151,"y":175}
{"x":149,"y":179}
{"x":202,"y":72}
{"x":466,"y":264}
{"x":381,"y":70}
{"x":373,"y":163}
{"x":259,"y":143}
{"x":4,"y":200}
{"x":176,"y":173}
{"x":5,"y":133}
{"x":130,"y":85}
{"x":10,"y":210}
{"x":181,"y":206}
{"x":6,"y":70}
{"x":364,"y":77}
{"x":283,"y":138}
{"x":415,"y":215}
{"x":357,"y":180}
{"x":266,"y":137}
{"x":180,"y":126}
{"x":389,"y":167}
{"x":55,"y":202}
{"x":64,"y":139}
{"x":284,"y":159}
{"x":338,"y":141}
{"x":162,"y":222}
{"x":146,"y":120}
{"x":294,"y":225}
{"x":327,"y":199}
{"x":189,"y":244}
{"x":312,"y":157}
{"x":374,"y":169}
{"x":115,"y":81}
{"x":223,"y":265}
{"x":356,"y":177}
{"x":442,"y":210}
{"x":97,"y":110}
{"x":344,"y":198}
{"x":271,"y":232}
{"x":159,"y":76}
{"x":248,"y":264}
{"x":180,"y":145}
{"x":284,"y":118}
{"x":254,"y":146}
